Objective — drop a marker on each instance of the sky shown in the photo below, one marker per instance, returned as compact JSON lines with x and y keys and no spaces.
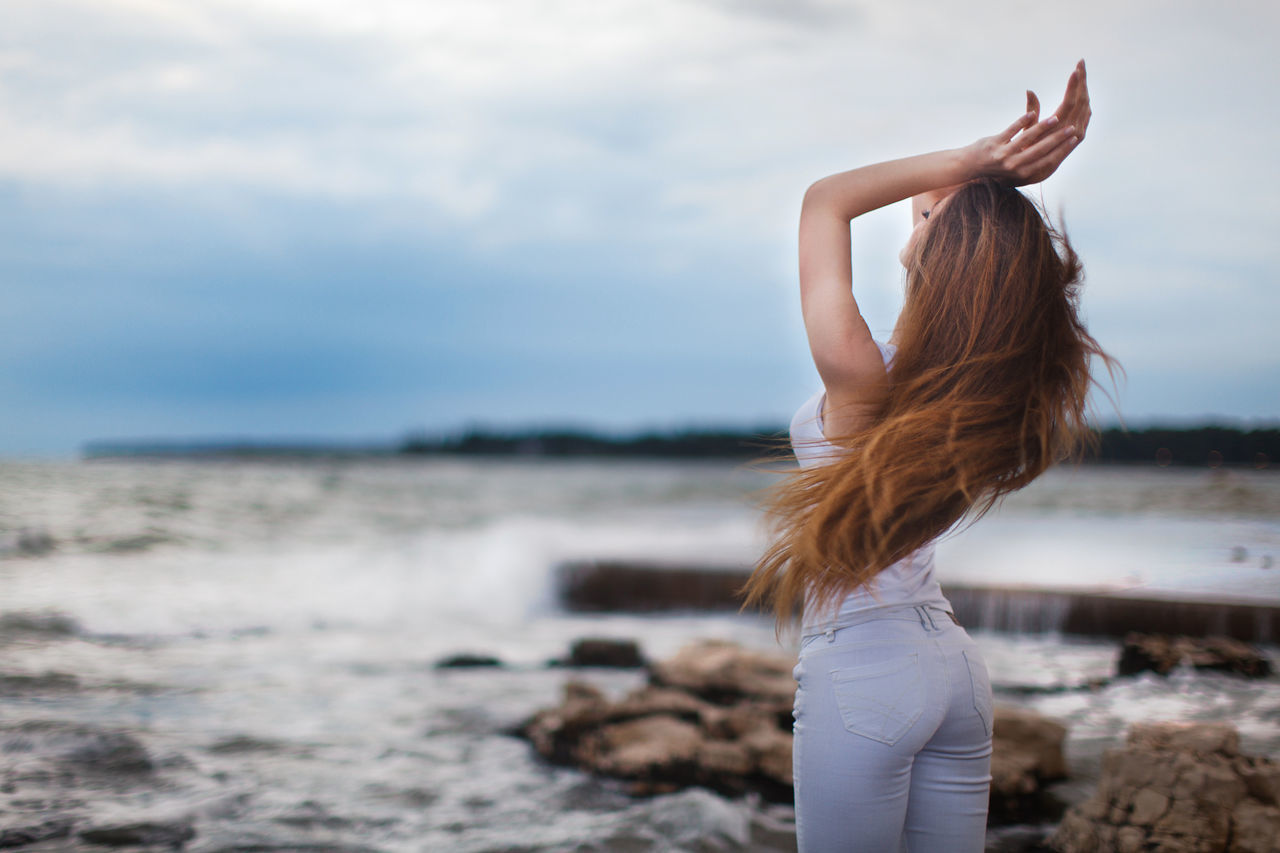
{"x":358,"y":219}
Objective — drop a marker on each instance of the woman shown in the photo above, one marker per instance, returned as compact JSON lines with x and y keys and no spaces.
{"x":980,"y":389}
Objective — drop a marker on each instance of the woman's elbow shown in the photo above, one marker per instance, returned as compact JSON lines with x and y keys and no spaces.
{"x":816,"y":195}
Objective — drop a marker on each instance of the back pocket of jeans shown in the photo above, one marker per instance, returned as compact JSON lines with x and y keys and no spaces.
{"x":882,"y":700}
{"x":981,"y":684}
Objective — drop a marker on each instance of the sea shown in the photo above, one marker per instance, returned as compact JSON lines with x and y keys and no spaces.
{"x":268,"y":631}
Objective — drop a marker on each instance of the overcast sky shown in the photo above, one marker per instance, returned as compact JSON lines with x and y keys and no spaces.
{"x":311,"y":218}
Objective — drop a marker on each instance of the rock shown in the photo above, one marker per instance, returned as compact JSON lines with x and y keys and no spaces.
{"x":42,"y":747}
{"x":729,"y":758}
{"x":236,"y":744}
{"x":1026,"y":754}
{"x":1262,"y":778}
{"x":26,"y":542}
{"x":771,"y":751}
{"x":663,"y":737}
{"x":1177,"y":787}
{"x":724,"y":673}
{"x":1160,"y":653}
{"x":467,"y":661}
{"x":132,"y":544}
{"x":1201,"y":738}
{"x":167,"y":834}
{"x":555,"y":732}
{"x":26,"y":624}
{"x":19,"y":836}
{"x":656,"y":748}
{"x":773,"y":829}
{"x":719,"y":716}
{"x":1017,"y":839}
{"x":1255,"y":828}
{"x":310,"y":814}
{"x":21,"y":684}
{"x":1035,"y":734}
{"x":258,"y":845}
{"x":597,"y":651}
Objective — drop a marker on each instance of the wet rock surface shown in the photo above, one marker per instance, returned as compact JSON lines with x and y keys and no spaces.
{"x":600,"y":651}
{"x":55,"y":774}
{"x":724,"y":673}
{"x":26,"y":542}
{"x":719,"y":716}
{"x":19,"y":684}
{"x":1161,"y":654}
{"x":1026,"y":756}
{"x":171,"y":834}
{"x":22,"y":833}
{"x":1178,"y":787}
{"x":702,"y":720}
{"x":468,"y":661}
{"x":51,"y":749}
{"x":20,"y":624}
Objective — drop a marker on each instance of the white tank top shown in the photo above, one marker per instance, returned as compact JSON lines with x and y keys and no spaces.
{"x":908,"y":581}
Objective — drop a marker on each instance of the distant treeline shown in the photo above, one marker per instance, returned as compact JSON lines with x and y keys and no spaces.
{"x":1210,"y":445}
{"x":1201,"y":446}
{"x":688,"y":444}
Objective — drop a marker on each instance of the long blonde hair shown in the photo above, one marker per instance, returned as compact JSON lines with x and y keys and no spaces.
{"x":988,"y":388}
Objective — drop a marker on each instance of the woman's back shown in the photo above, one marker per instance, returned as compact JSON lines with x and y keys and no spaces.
{"x":909,"y":581}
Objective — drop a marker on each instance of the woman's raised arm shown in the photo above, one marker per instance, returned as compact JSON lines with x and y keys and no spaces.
{"x":841,"y":344}
{"x":847,"y":358}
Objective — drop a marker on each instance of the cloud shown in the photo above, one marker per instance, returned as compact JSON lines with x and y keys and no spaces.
{"x":520,"y":175}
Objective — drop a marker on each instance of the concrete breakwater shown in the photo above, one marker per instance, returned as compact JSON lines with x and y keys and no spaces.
{"x":611,"y":586}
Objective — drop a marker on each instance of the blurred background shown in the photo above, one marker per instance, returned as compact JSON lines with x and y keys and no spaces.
{"x":328,"y":330}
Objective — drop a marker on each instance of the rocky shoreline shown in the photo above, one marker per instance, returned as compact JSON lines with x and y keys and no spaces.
{"x":714,"y":716}
{"x":719,"y":716}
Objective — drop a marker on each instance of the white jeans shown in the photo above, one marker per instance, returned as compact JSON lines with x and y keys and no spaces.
{"x":892,"y":736}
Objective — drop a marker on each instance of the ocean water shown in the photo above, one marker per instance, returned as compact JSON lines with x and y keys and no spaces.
{"x":268,"y":631}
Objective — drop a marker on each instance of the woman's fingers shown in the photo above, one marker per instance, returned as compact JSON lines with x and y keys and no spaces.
{"x":1083,"y":112}
{"x":1050,"y":159}
{"x":1021,"y":123}
{"x":1074,"y":108}
{"x":1032,"y":135}
{"x":1029,"y":150}
{"x":1026,"y":161}
{"x":1070,"y":97}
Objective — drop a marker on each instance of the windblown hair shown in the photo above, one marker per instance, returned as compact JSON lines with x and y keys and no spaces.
{"x":987,"y":390}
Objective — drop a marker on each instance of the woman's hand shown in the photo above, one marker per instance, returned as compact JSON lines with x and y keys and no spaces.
{"x":1028,"y":151}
